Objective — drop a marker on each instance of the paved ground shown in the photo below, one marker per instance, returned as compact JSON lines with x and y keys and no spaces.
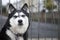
{"x":38,"y":30}
{"x":43,"y":39}
{"x":43,"y":30}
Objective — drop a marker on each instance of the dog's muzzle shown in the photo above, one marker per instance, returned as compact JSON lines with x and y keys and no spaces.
{"x":20,"y":22}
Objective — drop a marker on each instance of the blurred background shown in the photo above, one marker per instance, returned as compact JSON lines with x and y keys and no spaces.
{"x":44,"y":17}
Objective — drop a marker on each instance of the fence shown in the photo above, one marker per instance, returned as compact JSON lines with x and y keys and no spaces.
{"x":44,"y":20}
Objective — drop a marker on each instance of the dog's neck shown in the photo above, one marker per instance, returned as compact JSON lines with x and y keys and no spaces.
{"x":17,"y":34}
{"x":12,"y":35}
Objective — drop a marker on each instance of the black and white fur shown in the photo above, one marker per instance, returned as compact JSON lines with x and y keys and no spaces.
{"x":17,"y":24}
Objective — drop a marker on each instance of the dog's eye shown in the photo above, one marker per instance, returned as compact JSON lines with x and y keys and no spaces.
{"x":23,"y":15}
{"x":15,"y":16}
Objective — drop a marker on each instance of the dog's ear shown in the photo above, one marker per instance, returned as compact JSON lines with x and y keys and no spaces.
{"x":10,"y":8}
{"x":25,"y":7}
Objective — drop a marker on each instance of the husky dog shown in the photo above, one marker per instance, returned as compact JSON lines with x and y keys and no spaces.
{"x":17,"y":24}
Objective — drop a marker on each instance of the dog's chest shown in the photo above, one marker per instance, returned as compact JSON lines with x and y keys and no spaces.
{"x":13,"y":36}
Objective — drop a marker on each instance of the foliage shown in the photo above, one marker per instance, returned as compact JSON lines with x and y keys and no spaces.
{"x":49,"y":4}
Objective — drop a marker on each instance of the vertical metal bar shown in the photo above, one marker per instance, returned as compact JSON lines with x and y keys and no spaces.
{"x":45,"y":12}
{"x":58,"y":13}
{"x":52,"y":13}
{"x":38,"y":17}
{"x":1,"y":11}
{"x":58,"y":20}
{"x":31,"y":17}
{"x":1,"y":6}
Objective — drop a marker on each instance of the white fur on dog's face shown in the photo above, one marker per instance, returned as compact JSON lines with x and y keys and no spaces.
{"x":14,"y":23}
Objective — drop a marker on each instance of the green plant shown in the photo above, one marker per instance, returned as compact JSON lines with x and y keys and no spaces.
{"x":49,"y":4}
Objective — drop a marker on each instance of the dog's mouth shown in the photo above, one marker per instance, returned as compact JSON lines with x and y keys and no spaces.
{"x":20,"y":24}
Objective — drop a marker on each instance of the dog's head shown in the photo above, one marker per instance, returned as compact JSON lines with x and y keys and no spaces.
{"x":18,"y":19}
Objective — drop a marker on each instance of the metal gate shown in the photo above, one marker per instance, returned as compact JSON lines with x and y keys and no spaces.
{"x":44,"y":18}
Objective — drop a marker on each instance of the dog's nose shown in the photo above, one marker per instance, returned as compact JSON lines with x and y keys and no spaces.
{"x":20,"y":21}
